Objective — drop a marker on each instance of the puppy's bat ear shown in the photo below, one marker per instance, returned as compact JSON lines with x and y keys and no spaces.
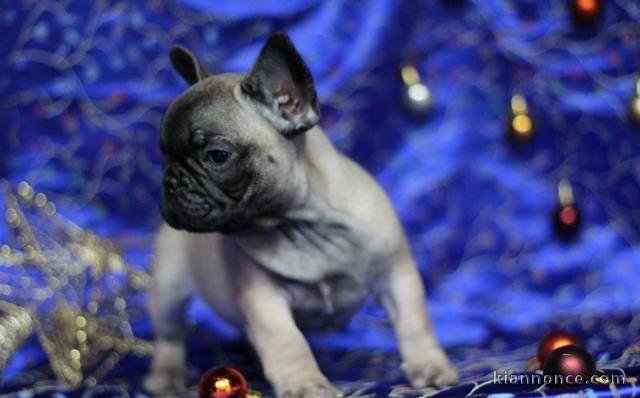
{"x":187,"y":65}
{"x":282,"y":87}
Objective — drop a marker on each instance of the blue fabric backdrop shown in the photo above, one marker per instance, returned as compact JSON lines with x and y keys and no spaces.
{"x":84,"y":85}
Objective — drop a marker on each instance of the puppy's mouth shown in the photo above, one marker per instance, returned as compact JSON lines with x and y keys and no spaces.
{"x":194,"y":205}
{"x":196,"y":213}
{"x":191,"y":212}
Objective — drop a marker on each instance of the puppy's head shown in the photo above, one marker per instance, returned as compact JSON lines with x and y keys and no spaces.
{"x":231,"y":141}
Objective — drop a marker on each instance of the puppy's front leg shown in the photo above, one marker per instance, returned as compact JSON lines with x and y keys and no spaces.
{"x":402,"y":295}
{"x":168,"y":296}
{"x":286,"y":358}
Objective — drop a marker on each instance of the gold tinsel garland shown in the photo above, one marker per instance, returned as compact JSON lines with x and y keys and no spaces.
{"x":67,"y":285}
{"x":15,"y":328}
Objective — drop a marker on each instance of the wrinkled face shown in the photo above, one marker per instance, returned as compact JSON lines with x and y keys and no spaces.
{"x":224,"y":164}
{"x":231,"y":149}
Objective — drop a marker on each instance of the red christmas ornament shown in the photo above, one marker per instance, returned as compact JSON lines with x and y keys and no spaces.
{"x":555,"y":340}
{"x":586,"y":12}
{"x":568,"y":361}
{"x":566,"y":218}
{"x":222,"y":383}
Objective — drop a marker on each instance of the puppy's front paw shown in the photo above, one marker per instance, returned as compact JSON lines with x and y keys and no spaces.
{"x":317,"y":389}
{"x":168,"y":381}
{"x":432,"y":370}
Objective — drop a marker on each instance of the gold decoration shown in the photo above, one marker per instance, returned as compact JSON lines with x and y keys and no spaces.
{"x":15,"y":328}
{"x":520,"y":129}
{"x":71,"y":285}
{"x":417,"y":96}
{"x":634,"y":105}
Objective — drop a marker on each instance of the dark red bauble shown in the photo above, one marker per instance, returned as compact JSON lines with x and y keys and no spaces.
{"x":567,"y":361}
{"x":222,"y":383}
{"x":567,"y":221}
{"x":555,"y":340}
{"x":586,"y":12}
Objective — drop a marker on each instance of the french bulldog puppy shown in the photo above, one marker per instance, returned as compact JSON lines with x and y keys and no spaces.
{"x":275,"y":229}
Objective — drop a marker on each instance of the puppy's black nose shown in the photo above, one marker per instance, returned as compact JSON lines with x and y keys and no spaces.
{"x":177,"y":180}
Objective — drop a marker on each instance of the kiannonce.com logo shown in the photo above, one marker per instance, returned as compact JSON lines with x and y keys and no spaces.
{"x":508,"y":377}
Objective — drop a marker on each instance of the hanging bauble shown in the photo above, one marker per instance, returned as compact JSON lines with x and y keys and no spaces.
{"x":520,"y":129}
{"x":222,"y":382}
{"x":634,"y":105}
{"x":554,"y":340}
{"x":568,"y":366}
{"x":566,"y":218}
{"x":586,"y":12}
{"x":416,"y":95}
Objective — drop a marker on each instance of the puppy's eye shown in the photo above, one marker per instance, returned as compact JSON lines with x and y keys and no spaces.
{"x":218,"y":156}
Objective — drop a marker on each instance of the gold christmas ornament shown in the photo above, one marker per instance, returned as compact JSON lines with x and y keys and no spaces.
{"x":70,"y":285}
{"x":520,"y":129}
{"x":634,"y":105}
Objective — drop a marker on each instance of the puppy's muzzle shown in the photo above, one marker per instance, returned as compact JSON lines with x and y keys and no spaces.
{"x":183,"y":191}
{"x":176,"y":181}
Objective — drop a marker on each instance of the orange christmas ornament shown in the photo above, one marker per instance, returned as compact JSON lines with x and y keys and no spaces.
{"x":555,"y":340}
{"x":222,"y":382}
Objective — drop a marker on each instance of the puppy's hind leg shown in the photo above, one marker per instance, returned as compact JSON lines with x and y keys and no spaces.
{"x":168,"y":297}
